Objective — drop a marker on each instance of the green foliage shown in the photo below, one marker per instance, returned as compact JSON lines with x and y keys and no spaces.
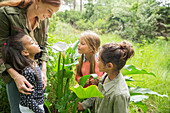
{"x":60,"y":75}
{"x":89,"y":11}
{"x":83,"y":25}
{"x":130,"y":69}
{"x":85,"y":78}
{"x":139,"y":20}
{"x":4,"y":104}
{"x":84,"y":93}
{"x":69,"y":16}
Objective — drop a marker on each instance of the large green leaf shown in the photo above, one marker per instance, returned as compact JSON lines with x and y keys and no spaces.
{"x":142,"y":91}
{"x":138,"y":98}
{"x":88,"y":92}
{"x":131,"y":69}
{"x":83,"y":79}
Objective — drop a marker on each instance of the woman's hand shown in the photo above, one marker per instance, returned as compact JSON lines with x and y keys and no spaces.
{"x":43,"y":74}
{"x":21,"y":83}
{"x":80,"y":107}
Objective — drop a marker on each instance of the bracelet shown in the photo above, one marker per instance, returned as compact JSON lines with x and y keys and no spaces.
{"x":16,"y":77}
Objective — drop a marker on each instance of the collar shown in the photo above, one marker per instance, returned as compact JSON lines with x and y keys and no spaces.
{"x":111,"y":84}
{"x":28,"y":25}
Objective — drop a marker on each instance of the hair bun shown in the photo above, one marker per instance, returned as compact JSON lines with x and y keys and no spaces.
{"x":127,"y":49}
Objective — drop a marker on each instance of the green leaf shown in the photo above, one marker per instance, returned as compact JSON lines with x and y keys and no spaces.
{"x":139,"y":91}
{"x":130,"y":69}
{"x":72,"y":64}
{"x":138,"y":98}
{"x":83,"y":79}
{"x":75,"y":45}
{"x":88,"y":92}
{"x":128,"y":78}
{"x":48,"y":104}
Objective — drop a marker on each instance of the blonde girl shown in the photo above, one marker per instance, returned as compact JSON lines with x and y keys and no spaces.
{"x":88,"y":47}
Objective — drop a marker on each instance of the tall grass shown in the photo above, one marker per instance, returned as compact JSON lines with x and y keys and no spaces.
{"x":153,"y":57}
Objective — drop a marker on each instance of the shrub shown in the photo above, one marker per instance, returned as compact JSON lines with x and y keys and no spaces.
{"x":139,"y":19}
{"x":83,"y":25}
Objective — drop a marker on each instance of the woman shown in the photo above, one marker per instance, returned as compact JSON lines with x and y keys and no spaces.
{"x":31,"y":17}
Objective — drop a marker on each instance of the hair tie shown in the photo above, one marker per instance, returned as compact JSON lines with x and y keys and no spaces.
{"x":5,"y":44}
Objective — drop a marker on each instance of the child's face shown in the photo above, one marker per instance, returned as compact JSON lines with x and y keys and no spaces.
{"x":31,"y":46}
{"x":101,"y":65}
{"x":83,"y":48}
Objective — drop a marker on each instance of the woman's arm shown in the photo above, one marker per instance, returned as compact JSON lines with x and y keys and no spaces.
{"x":43,"y":74}
{"x":20,"y":81}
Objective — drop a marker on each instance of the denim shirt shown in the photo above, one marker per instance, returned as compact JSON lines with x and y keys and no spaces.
{"x":116,"y":96}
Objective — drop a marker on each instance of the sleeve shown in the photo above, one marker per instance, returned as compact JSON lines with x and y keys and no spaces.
{"x":88,"y":102}
{"x":45,"y":25}
{"x":4,"y":33}
{"x":121,"y":104}
{"x":29,"y":100}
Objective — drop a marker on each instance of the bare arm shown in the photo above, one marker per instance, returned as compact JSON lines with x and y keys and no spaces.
{"x":43,"y":73}
{"x":20,"y":81}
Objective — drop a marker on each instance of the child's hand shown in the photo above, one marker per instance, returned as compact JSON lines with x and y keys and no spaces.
{"x":87,"y":82}
{"x":80,"y":107}
{"x":94,"y":81}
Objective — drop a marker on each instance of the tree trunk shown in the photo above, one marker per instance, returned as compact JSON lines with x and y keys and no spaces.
{"x":74,"y":5}
{"x":81,"y":4}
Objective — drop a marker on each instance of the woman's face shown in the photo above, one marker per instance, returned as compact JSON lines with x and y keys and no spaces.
{"x":45,"y":10}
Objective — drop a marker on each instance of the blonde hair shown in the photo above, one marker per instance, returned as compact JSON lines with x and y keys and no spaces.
{"x":27,"y":3}
{"x":93,"y":42}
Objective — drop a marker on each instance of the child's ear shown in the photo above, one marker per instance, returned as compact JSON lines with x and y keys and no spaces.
{"x":109,"y":65}
{"x":24,"y":53}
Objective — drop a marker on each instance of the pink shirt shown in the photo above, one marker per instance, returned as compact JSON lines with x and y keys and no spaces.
{"x":85,"y":69}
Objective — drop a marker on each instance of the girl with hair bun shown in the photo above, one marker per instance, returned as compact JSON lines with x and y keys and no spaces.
{"x":112,"y":58}
{"x":88,"y":47}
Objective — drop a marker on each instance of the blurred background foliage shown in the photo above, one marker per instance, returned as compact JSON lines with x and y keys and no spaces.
{"x":138,"y":20}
